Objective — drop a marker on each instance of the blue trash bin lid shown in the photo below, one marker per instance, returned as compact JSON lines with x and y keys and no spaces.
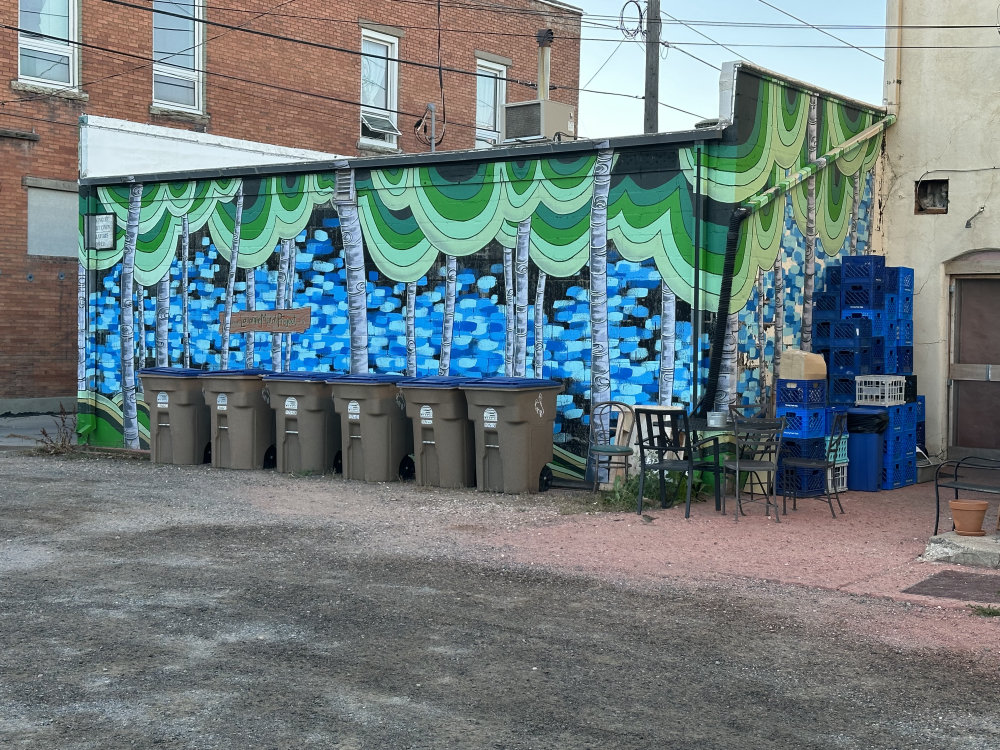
{"x":233,"y":373}
{"x":172,"y":372}
{"x":505,"y":383}
{"x":371,"y":377}
{"x":300,"y":375}
{"x":435,"y":381}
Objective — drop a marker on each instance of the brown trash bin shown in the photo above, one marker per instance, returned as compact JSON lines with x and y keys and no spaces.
{"x":444,"y":441}
{"x":179,"y":419}
{"x":514,"y":421}
{"x":242,"y":420}
{"x":307,"y":430}
{"x":375,"y":432}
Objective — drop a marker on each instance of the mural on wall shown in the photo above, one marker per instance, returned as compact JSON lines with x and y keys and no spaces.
{"x":579,"y":266}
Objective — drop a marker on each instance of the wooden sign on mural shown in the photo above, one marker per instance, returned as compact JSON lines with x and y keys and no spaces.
{"x":278,"y":321}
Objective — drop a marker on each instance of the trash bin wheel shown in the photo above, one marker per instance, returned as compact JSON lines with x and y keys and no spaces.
{"x":544,"y":479}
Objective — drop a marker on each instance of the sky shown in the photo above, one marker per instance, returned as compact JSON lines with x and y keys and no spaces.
{"x":698,"y":33}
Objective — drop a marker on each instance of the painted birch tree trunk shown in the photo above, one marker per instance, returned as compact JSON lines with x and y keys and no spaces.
{"x":539,"y":364}
{"x":185,"y":313}
{"x":140,"y":326}
{"x":508,"y":281}
{"x":448,"y":321}
{"x":600,"y":363}
{"x":728,"y":375}
{"x":293,"y":252}
{"x":81,"y":328}
{"x":411,"y":329}
{"x":668,"y":343}
{"x":163,"y":320}
{"x":809,"y":263}
{"x":521,"y":298}
{"x":251,"y":336}
{"x":357,"y":295}
{"x":130,"y":420}
{"x":231,"y":281}
{"x":761,"y":338}
{"x":279,"y":302}
{"x":779,"y":313}
{"x":855,"y":216}
{"x":600,"y":368}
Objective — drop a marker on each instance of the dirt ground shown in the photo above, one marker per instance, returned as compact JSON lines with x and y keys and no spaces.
{"x":187,"y":607}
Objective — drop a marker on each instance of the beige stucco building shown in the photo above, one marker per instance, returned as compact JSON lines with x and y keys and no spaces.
{"x":940,"y":210}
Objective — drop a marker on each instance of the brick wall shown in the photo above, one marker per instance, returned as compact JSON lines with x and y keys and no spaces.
{"x":259,"y":87}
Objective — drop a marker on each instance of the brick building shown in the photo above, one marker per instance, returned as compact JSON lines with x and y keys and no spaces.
{"x":289,"y":74}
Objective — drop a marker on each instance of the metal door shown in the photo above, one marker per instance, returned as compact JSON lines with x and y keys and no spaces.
{"x":975,"y":368}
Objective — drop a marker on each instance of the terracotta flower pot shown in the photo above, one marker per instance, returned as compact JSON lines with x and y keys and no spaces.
{"x":968,"y":516}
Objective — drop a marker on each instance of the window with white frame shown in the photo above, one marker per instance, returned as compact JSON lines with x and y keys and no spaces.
{"x":178,"y":36}
{"x":46,"y":50}
{"x":491,"y":95}
{"x":379,"y":87}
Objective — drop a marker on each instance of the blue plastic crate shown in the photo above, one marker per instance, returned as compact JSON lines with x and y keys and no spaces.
{"x":862,"y":267}
{"x":803,"y":447}
{"x":898,"y":473}
{"x":904,"y":332}
{"x":852,"y":332}
{"x":823,"y":333}
{"x":909,"y":416}
{"x":826,"y":306}
{"x":802,"y":423}
{"x":899,"y":445}
{"x":842,"y":390}
{"x":904,"y":360}
{"x":899,"y":279}
{"x":806,"y":393}
{"x":805,"y":481}
{"x":879,"y":321}
{"x":890,"y":306}
{"x":864,"y":468}
{"x":833,"y":277}
{"x":921,"y":433}
{"x":897,"y":420}
{"x":921,"y":408}
{"x":862,"y":295}
{"x":904,"y":306}
{"x":850,"y":361}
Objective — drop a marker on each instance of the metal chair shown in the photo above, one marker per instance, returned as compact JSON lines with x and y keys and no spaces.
{"x":789,"y":483}
{"x":668,"y":444}
{"x":610,"y":445}
{"x":758,"y":447}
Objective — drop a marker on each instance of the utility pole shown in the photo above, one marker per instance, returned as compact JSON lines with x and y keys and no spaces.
{"x":650,"y":122}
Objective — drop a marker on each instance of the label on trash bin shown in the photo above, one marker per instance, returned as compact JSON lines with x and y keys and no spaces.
{"x":539,"y":406}
{"x":354,"y":411}
{"x":162,"y":399}
{"x":490,"y":418}
{"x":426,"y":415}
{"x":221,"y":402}
{"x":291,"y":406}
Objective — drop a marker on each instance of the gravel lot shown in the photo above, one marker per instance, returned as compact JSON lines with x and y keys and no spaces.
{"x":186,"y":607}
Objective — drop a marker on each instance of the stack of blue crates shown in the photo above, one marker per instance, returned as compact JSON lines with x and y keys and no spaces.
{"x":863,"y":322}
{"x":803,"y":404}
{"x":863,"y":325}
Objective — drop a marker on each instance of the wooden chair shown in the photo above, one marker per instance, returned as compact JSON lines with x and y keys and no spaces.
{"x":610,"y":445}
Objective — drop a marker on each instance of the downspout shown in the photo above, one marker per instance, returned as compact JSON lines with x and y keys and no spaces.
{"x":695,"y":301}
{"x":739,"y":215}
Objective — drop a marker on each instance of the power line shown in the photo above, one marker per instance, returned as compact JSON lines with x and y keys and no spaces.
{"x":821,"y":31}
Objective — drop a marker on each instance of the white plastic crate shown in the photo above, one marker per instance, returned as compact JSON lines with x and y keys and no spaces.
{"x":879,"y":390}
{"x":836,"y":478}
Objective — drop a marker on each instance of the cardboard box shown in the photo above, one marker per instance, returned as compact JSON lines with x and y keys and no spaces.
{"x":799,"y":365}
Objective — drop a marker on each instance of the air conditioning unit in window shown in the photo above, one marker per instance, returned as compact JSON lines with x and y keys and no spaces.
{"x":538,"y":119}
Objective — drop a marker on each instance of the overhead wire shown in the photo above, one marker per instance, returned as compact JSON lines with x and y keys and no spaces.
{"x":822,"y":31}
